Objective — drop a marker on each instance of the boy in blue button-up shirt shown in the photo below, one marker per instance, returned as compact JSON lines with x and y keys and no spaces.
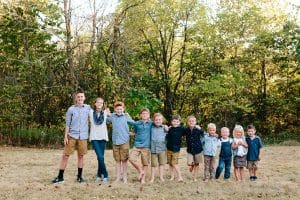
{"x":120,"y":139}
{"x":254,"y":152}
{"x":76,"y":132}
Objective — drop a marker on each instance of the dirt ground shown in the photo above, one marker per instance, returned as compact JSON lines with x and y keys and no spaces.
{"x":26,"y":173}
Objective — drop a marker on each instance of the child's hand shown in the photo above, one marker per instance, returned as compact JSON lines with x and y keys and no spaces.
{"x":198,"y":127}
{"x":166,"y":128}
{"x":132,"y":134}
{"x":66,"y":140}
{"x":108,"y":113}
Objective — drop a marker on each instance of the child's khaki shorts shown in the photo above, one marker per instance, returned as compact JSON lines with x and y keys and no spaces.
{"x":252,"y":164}
{"x":143,"y":152}
{"x":194,"y":159}
{"x":172,"y":157}
{"x":72,"y":144}
{"x":158,"y":159}
{"x":121,"y":152}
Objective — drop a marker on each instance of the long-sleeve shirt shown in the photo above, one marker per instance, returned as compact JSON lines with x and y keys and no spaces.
{"x":174,"y":138}
{"x":210,"y":145}
{"x":120,"y":129}
{"x":158,"y":139}
{"x":77,"y":121}
{"x":193,"y":140}
{"x":142,"y":132}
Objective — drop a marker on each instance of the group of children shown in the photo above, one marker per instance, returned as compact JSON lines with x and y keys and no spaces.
{"x":156,"y":142}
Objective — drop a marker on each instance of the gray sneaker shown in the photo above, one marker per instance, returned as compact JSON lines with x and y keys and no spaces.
{"x":105,"y":180}
{"x":80,"y":180}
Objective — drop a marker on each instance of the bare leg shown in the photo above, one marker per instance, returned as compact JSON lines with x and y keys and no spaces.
{"x":80,"y":161}
{"x":241,"y":173}
{"x":196,"y":171}
{"x":138,"y":168}
{"x":118,"y":171}
{"x":124,"y":166}
{"x":161,"y":172}
{"x":177,"y":170}
{"x":236,"y":174}
{"x":153,"y":171}
{"x":143,"y":175}
{"x":63,"y":162}
{"x":171,"y":168}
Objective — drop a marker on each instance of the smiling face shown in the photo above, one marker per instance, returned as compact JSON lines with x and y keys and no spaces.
{"x":145,"y":115}
{"x":79,"y":99}
{"x":119,"y":110}
{"x":99,"y":104}
{"x":225,"y":133}
{"x":191,"y":122}
{"x":175,"y":122}
{"x":158,"y":120}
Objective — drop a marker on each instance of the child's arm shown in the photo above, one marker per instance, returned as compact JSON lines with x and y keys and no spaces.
{"x":234,"y":145}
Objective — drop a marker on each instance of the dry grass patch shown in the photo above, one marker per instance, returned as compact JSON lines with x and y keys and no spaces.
{"x":26,"y":174}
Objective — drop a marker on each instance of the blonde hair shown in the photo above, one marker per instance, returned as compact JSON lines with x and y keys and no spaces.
{"x":211,"y":125}
{"x":191,"y":117}
{"x":238,"y":128}
{"x":157,"y":115}
{"x":225,"y":129}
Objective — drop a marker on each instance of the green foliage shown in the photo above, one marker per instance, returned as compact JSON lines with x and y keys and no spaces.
{"x":238,"y":64}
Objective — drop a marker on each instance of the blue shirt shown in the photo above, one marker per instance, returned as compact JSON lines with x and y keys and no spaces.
{"x":210,"y":145}
{"x":142,"y":132}
{"x":254,"y":145}
{"x":77,"y":121}
{"x":158,"y":139}
{"x":193,"y":140}
{"x":174,"y":138}
{"x":120,"y":129}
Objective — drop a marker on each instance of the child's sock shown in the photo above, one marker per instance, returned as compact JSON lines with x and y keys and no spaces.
{"x":61,"y":173}
{"x":79,"y":172}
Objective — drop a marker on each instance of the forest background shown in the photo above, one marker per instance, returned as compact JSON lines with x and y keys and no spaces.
{"x":230,"y":62}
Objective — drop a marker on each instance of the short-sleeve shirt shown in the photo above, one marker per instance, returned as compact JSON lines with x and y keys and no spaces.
{"x":77,"y":120}
{"x":174,"y":138}
{"x":254,"y":146}
{"x":193,"y":140}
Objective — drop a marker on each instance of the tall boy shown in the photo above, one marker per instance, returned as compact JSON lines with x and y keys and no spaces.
{"x":254,"y":152}
{"x":76,"y":133}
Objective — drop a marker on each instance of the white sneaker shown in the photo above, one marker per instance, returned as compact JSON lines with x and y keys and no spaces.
{"x":105,"y":180}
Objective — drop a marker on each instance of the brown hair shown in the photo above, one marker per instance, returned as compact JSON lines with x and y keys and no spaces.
{"x":118,"y":103}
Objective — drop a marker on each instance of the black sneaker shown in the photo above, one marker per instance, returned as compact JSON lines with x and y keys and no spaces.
{"x":255,"y":178}
{"x":80,"y":180}
{"x":58,"y":180}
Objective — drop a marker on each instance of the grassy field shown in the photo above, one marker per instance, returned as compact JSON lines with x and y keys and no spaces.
{"x":26,"y":173}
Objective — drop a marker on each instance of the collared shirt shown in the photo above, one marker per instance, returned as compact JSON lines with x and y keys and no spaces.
{"x":158,"y":139}
{"x":174,"y":138}
{"x":210,"y":145}
{"x":77,"y":121}
{"x":98,"y":132}
{"x":254,"y":146}
{"x":120,"y":129}
{"x":193,"y":140}
{"x":142,"y":132}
